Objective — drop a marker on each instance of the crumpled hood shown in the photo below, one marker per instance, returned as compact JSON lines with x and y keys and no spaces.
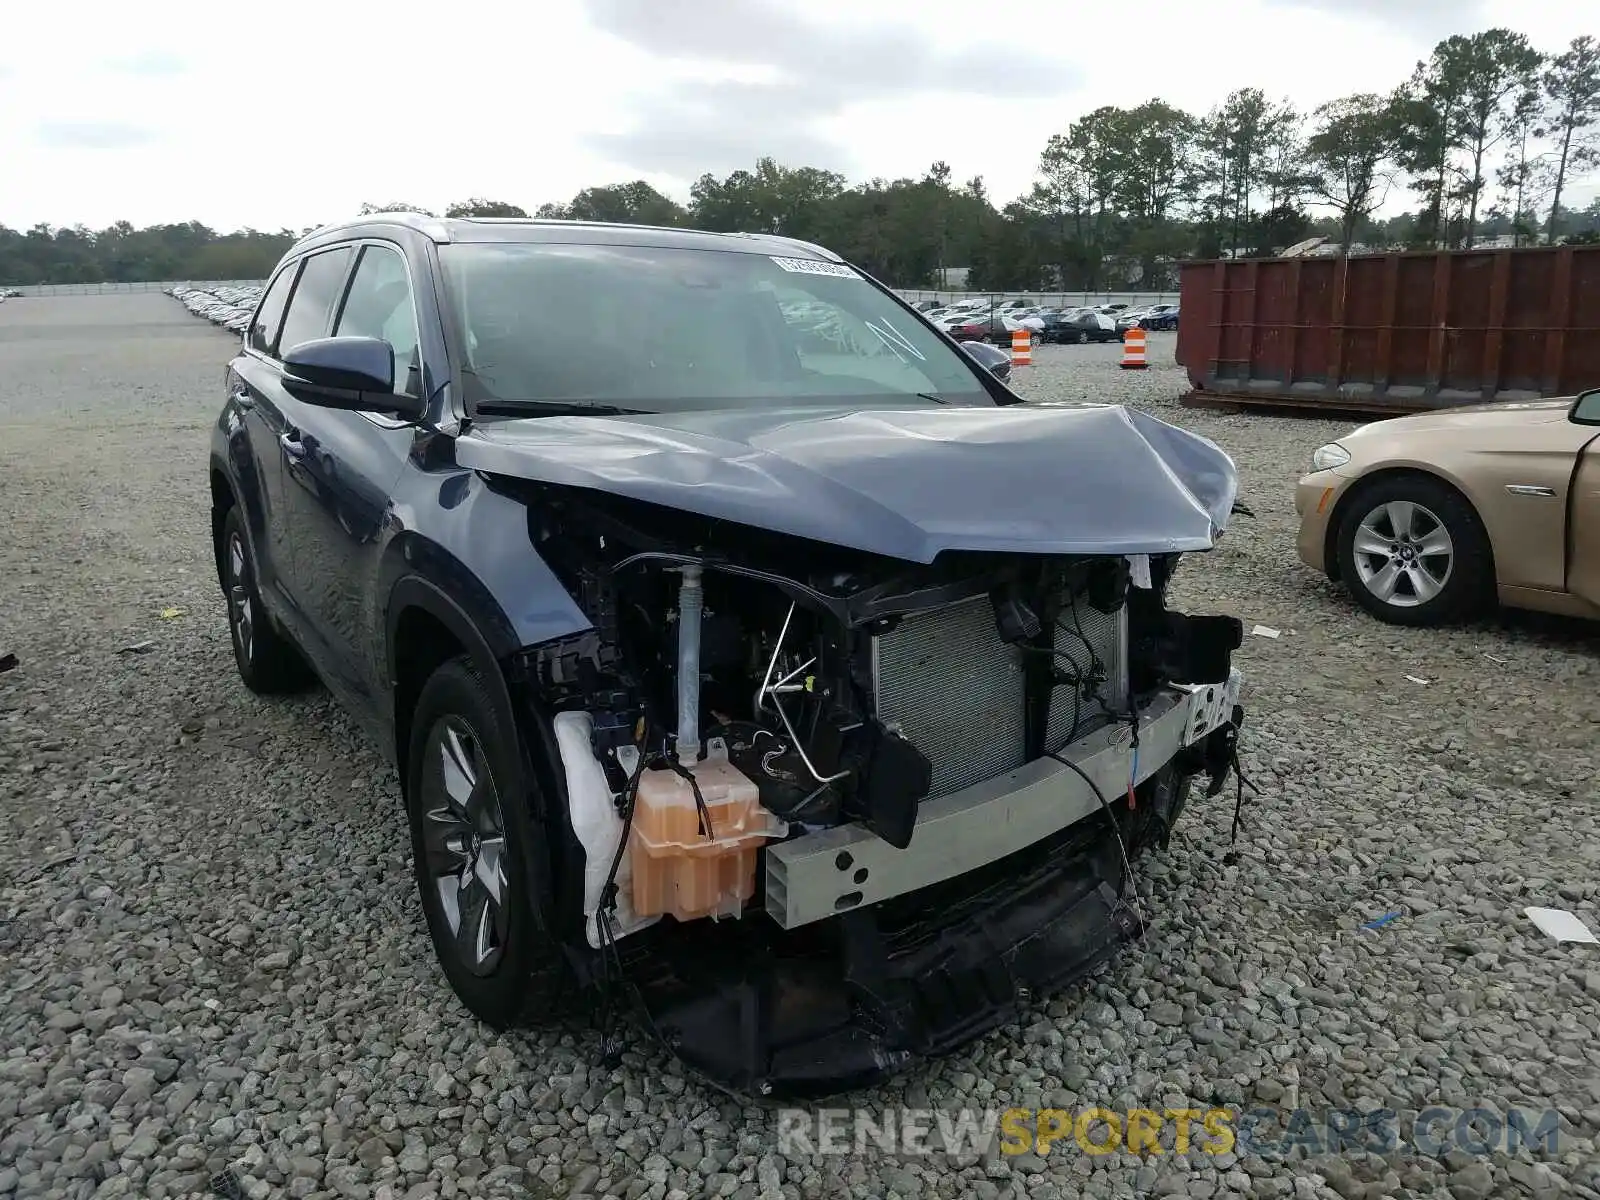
{"x":907,"y":483}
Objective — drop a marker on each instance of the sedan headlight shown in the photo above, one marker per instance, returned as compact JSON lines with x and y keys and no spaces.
{"x":1326,"y":457}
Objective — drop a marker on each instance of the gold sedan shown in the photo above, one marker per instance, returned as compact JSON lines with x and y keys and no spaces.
{"x":1429,"y":518}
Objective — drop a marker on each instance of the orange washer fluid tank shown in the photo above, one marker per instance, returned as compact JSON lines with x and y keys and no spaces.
{"x":677,"y":869}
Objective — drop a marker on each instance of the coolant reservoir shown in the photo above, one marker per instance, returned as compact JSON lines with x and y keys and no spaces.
{"x":677,"y":869}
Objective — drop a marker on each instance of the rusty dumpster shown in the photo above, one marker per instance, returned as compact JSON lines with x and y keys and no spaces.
{"x":1391,"y":333}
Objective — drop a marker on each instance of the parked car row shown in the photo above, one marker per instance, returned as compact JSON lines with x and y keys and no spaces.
{"x":982,"y":320}
{"x":1082,"y":325}
{"x":1153,"y":316}
{"x":822,"y":328}
{"x":995,"y":321}
{"x":985,"y":327}
{"x":229,"y":307}
{"x":978,"y":321}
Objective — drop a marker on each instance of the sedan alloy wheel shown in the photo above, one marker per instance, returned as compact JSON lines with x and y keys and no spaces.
{"x":1413,"y":552}
{"x":1403,"y":553}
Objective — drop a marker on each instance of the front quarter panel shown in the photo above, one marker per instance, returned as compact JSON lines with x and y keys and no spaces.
{"x":472,"y":544}
{"x":233,"y":455}
{"x":1316,"y":499}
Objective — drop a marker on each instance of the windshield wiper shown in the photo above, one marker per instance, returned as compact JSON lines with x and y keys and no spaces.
{"x":553,"y":408}
{"x":931,"y":396}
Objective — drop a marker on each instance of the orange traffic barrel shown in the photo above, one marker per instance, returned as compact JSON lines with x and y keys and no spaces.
{"x":1021,"y":348}
{"x":1133,"y":350}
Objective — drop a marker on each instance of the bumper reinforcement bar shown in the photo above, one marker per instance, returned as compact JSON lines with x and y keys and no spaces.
{"x":835,"y":870}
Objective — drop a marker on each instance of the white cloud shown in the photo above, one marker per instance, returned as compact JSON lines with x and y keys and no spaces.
{"x":292,"y":114}
{"x":92,"y":135}
{"x":150,"y":61}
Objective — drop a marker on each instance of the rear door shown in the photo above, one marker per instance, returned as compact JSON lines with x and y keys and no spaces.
{"x":1583,"y":567}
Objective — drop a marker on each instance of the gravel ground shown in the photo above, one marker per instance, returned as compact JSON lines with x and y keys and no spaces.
{"x":211,"y":957}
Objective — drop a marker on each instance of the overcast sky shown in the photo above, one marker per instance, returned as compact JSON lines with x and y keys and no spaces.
{"x":292,"y":112}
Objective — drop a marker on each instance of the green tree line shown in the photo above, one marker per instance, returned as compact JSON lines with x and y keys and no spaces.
{"x":1487,"y":137}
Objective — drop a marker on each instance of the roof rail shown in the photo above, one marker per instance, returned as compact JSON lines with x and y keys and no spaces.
{"x":821,"y":251}
{"x":434,"y":227}
{"x":581,"y":224}
{"x":438,"y":228}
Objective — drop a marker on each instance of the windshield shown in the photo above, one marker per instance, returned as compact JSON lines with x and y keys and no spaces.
{"x":665,"y":330}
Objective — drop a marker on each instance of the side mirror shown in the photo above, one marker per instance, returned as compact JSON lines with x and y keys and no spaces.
{"x":351,"y":373}
{"x":995,"y":360}
{"x":1586,"y":409}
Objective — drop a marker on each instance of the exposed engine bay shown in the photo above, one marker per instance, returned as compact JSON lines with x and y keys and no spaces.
{"x":835,"y":747}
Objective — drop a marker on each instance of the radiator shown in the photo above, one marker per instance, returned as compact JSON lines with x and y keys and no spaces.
{"x":948,"y":684}
{"x":1108,"y":637}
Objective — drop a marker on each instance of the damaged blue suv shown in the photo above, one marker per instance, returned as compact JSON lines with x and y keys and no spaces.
{"x":747,"y":651}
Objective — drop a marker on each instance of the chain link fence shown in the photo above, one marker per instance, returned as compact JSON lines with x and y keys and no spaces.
{"x":1047,"y":299}
{"x":124,"y":289}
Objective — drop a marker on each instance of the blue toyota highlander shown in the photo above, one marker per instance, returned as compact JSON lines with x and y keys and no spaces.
{"x":750,"y":655}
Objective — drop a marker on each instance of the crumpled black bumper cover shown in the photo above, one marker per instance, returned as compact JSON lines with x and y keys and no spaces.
{"x":841,"y":1005}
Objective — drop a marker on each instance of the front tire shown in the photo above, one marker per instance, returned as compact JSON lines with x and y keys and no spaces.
{"x":472,"y":835}
{"x":268,"y":663}
{"x":1413,"y":552}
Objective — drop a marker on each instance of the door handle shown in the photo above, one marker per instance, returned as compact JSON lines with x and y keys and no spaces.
{"x":243,"y":399}
{"x":293,"y":447}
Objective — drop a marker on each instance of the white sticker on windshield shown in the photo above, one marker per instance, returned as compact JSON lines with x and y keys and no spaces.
{"x":810,"y":266}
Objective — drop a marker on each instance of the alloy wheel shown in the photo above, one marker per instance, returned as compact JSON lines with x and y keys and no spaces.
{"x":1403,"y":553}
{"x":242,"y":611}
{"x":463,"y":833}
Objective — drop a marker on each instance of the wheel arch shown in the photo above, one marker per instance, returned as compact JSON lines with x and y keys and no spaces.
{"x":223,"y":498}
{"x":426,"y":626}
{"x":1341,"y":508}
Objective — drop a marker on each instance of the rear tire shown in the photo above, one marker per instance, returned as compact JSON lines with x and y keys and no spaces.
{"x":268,"y":663}
{"x":1413,"y":552}
{"x":472,"y":835}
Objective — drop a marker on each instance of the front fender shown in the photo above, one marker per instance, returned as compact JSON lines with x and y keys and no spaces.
{"x":461,"y":552}
{"x":231,"y":457}
{"x":544,"y":869}
{"x":471,"y":545}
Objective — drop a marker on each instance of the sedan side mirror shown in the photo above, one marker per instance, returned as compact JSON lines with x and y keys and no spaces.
{"x":351,"y":373}
{"x":1586,"y":409}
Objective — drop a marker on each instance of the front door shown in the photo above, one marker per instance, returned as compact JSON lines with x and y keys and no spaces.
{"x":251,"y":380}
{"x":309,"y":314}
{"x":1583,"y":567}
{"x":342,"y":473}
